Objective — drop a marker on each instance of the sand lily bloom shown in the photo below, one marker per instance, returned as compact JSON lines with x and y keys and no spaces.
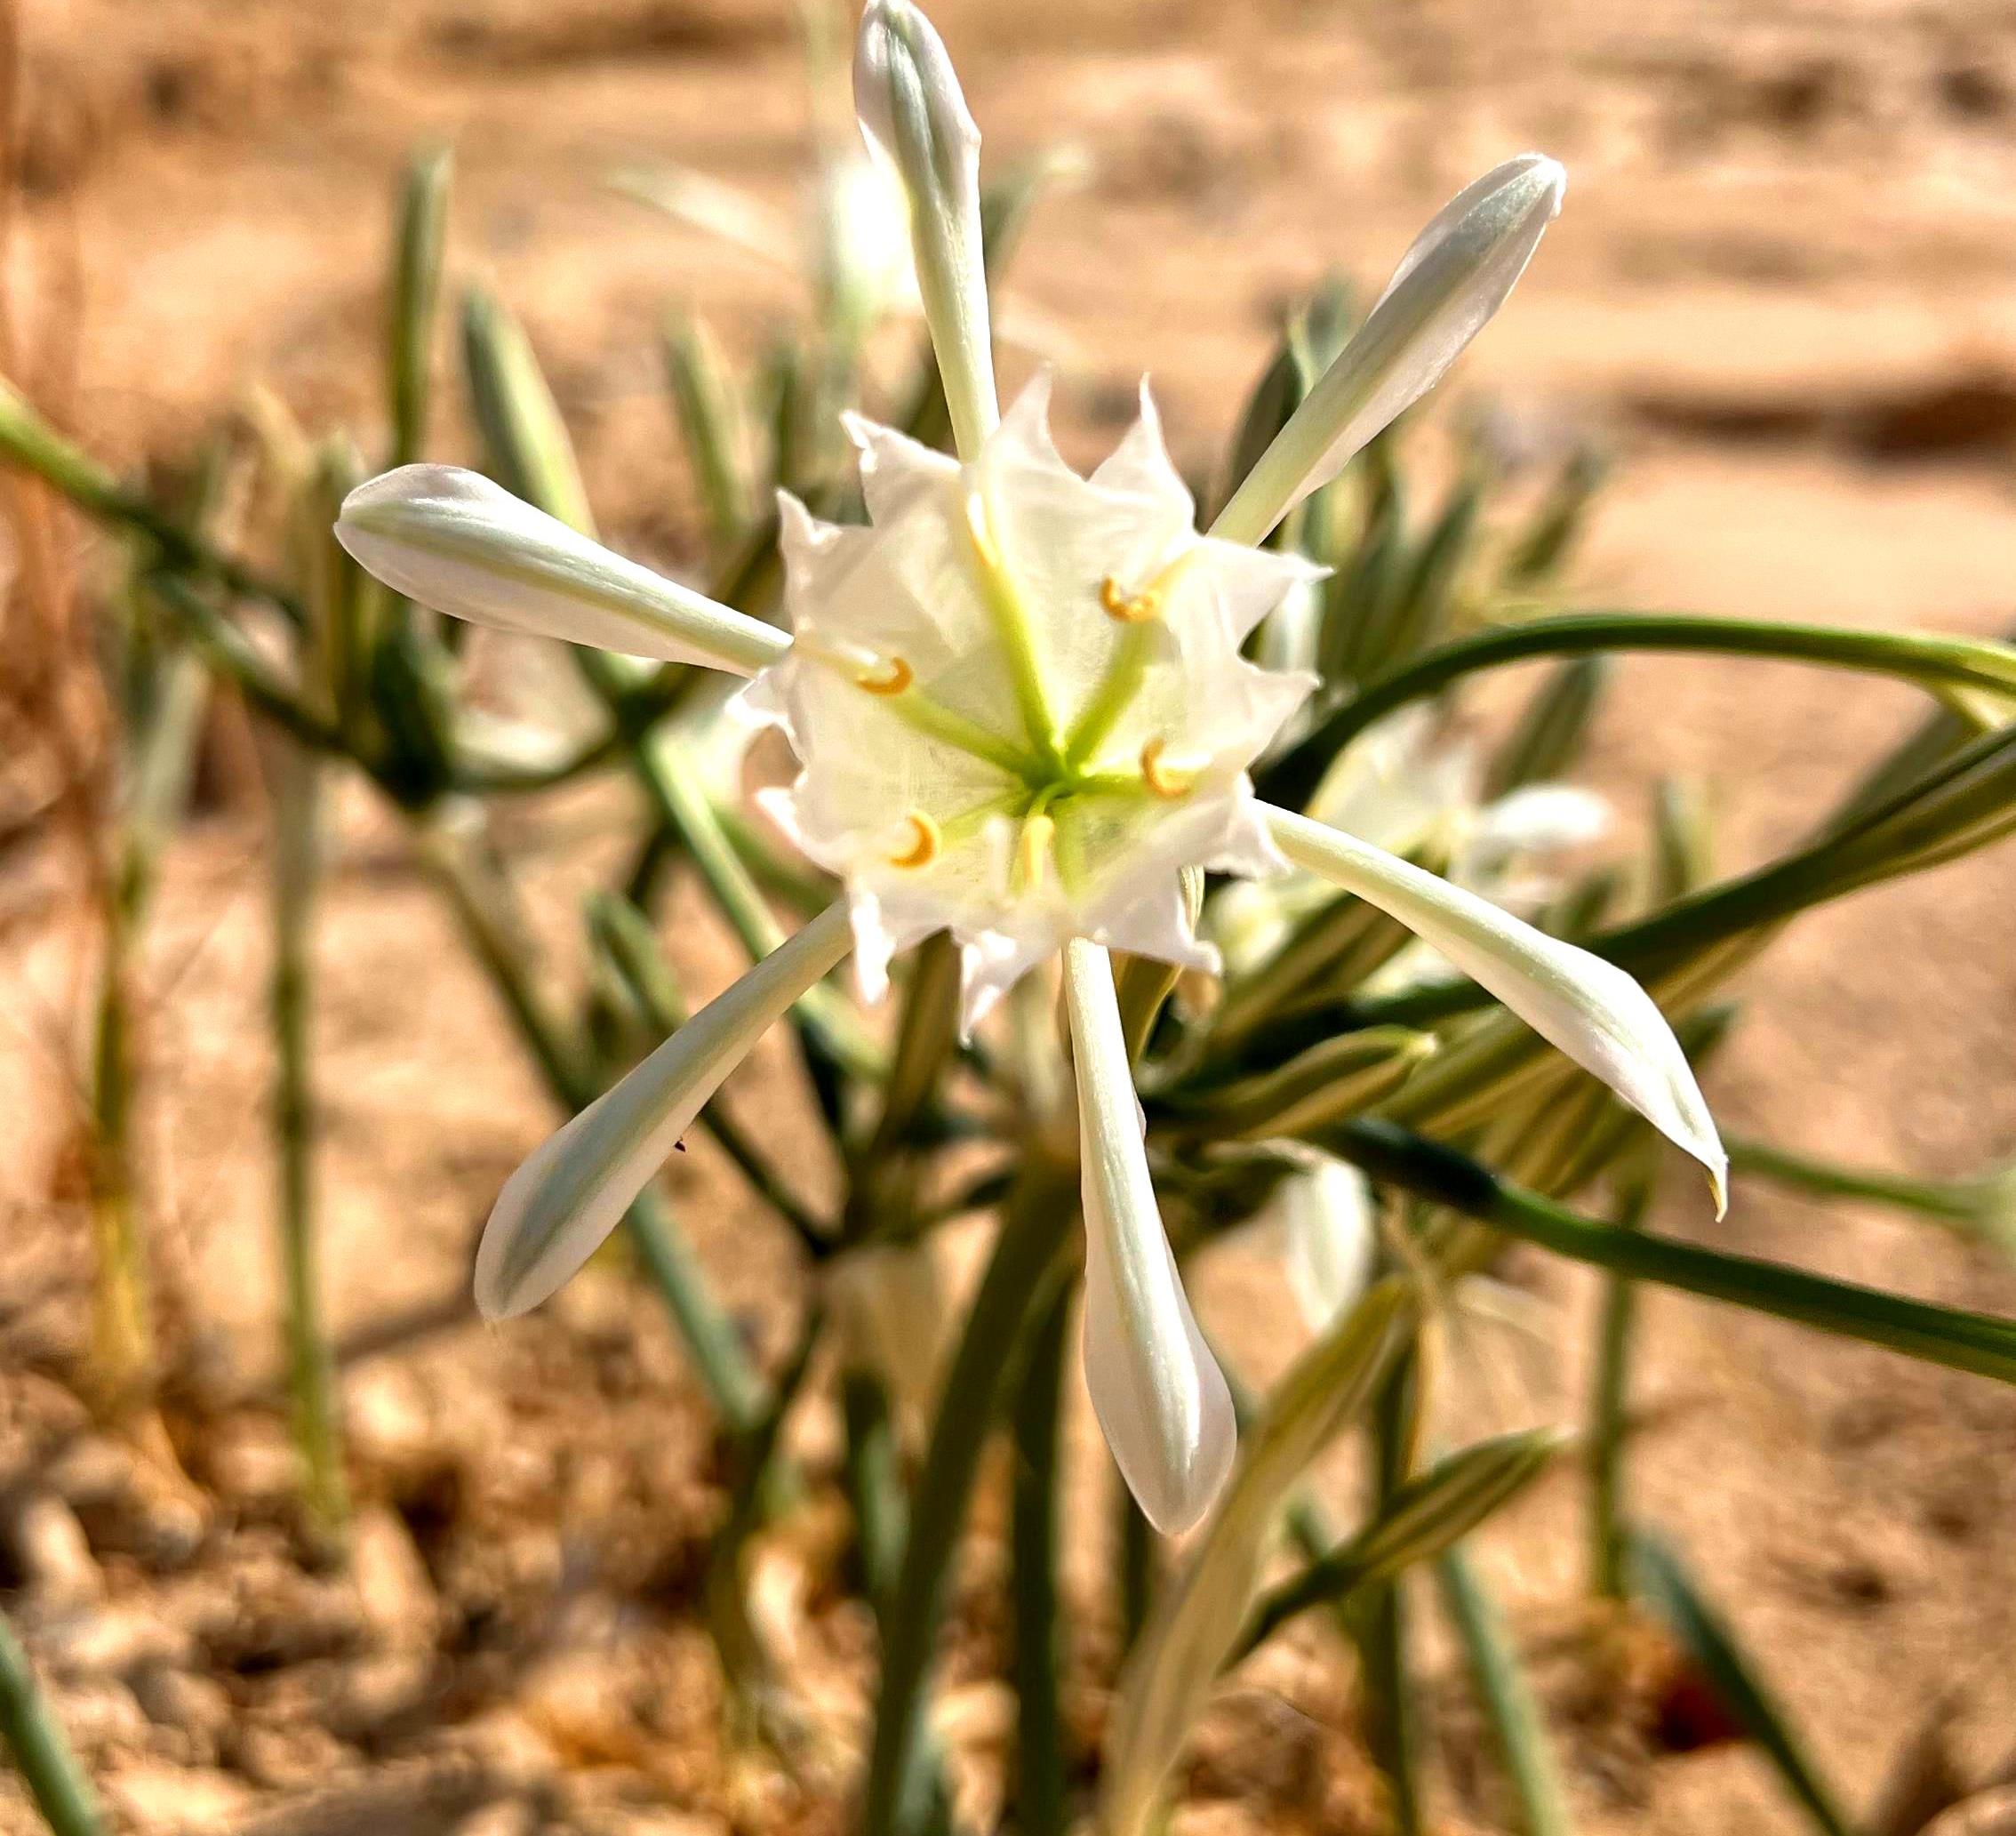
{"x":1020,"y":708}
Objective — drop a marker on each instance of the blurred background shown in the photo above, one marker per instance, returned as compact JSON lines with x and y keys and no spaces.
{"x":1782,"y":295}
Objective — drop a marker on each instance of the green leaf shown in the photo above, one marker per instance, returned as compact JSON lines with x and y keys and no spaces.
{"x":1341,"y":1077}
{"x":1555,"y":726}
{"x":1035,"y":1227}
{"x":1426,"y":1516}
{"x":1507,"y":1697}
{"x":711,"y":428}
{"x":1950,"y":1336}
{"x":422,"y":233}
{"x":1931,"y":661}
{"x":43,"y":1756}
{"x":1199,"y":1614}
{"x":1663,"y":1580}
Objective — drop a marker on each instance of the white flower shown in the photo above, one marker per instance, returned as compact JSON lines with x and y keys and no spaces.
{"x":1328,"y":1226}
{"x":1020,"y":708}
{"x":1019,"y":701}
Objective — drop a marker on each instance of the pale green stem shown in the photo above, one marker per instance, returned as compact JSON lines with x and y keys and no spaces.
{"x":311,"y":1374}
{"x":41,"y":1754}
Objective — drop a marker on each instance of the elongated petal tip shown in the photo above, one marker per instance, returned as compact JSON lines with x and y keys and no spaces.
{"x":1161,"y":1400}
{"x":1163,"y":1405}
{"x":900,"y":63}
{"x":556,"y":1210}
{"x":1457,"y":273}
{"x":454,"y":540}
{"x":1589,"y":1008}
{"x":538,"y":1233}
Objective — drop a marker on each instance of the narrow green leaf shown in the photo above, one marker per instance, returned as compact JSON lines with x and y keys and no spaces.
{"x":1554,"y":728}
{"x":420,"y":236}
{"x":1036,"y":1225}
{"x":1610,"y":1404}
{"x":1545,"y":544}
{"x":1425,"y":1517}
{"x":710,"y":428}
{"x":1039,"y":1791}
{"x":1950,"y":1336}
{"x":1507,"y":1697}
{"x":1199,"y":1614}
{"x":41,"y":1754}
{"x":1343,"y":1076}
{"x":1929,"y":660}
{"x":1982,"y":1208}
{"x":526,"y":446}
{"x":1663,"y":1580}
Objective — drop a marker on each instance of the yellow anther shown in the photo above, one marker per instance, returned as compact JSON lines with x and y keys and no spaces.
{"x":1129,"y":608}
{"x":889,"y":676}
{"x":1033,"y":850}
{"x":1164,"y":777}
{"x":925,"y":842}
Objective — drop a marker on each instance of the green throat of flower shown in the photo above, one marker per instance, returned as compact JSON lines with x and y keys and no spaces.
{"x":1055,"y":777}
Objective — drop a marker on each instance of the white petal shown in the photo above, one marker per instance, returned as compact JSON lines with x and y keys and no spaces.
{"x":913,"y":115}
{"x":556,"y":1210}
{"x":991,"y":963}
{"x":895,"y":468}
{"x":1140,"y":467}
{"x":1327,"y":1223}
{"x":1541,"y":818}
{"x":453,"y":539}
{"x":1447,"y":286}
{"x":1160,"y":1397}
{"x":1399,"y":781}
{"x":1590,"y":1009}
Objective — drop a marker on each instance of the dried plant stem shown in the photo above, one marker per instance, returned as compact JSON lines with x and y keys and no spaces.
{"x":311,"y":1371}
{"x":122,"y":1311}
{"x":41,"y":1754}
{"x":161,"y":755}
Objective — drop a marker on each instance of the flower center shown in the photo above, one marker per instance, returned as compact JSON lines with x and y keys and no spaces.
{"x":1053,"y":770}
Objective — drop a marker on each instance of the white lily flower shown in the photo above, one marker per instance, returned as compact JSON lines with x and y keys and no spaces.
{"x":1328,"y":1225}
{"x":1021,"y":710}
{"x":1018,"y":699}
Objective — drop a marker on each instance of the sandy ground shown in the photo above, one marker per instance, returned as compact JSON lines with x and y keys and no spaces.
{"x":1785,"y":285}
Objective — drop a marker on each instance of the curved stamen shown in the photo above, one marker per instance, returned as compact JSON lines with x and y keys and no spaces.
{"x":1130,"y":608}
{"x":887,"y":676}
{"x":1167,"y":777}
{"x":926,"y":841}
